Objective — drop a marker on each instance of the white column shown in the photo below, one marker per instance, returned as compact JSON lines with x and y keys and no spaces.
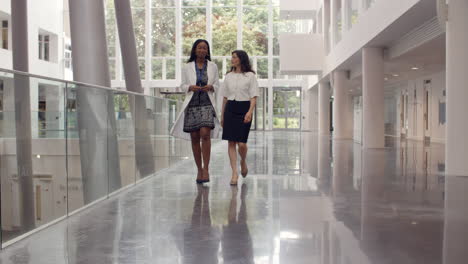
{"x":324,"y":108}
{"x":334,"y":16}
{"x":96,"y":118}
{"x":456,"y":147}
{"x":455,"y":221}
{"x":373,"y":98}
{"x":326,"y":24}
{"x":342,"y":128}
{"x":22,"y":99}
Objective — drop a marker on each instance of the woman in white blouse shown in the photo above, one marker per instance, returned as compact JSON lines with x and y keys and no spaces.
{"x":240,"y":96}
{"x":198,"y":121}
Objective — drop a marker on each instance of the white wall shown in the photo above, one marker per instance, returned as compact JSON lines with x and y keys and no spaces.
{"x":370,"y":23}
{"x":415,"y":109}
{"x":46,"y":16}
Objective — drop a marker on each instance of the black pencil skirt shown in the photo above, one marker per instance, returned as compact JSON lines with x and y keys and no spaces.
{"x":234,"y":128}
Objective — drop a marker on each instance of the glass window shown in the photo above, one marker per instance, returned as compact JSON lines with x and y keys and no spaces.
{"x":110,"y":28}
{"x":139,"y":27}
{"x":4,"y":34}
{"x":224,"y":2}
{"x":44,"y":47}
{"x":112,"y":70}
{"x":255,"y":31}
{"x":156,"y":67}
{"x":193,"y":28}
{"x":224,"y":31}
{"x":194,"y":2}
{"x":141,"y":63}
{"x":170,"y":69}
{"x":276,"y":69}
{"x":255,"y":2}
{"x":138,"y":3}
{"x":163,"y":32}
{"x":353,"y":9}
{"x":280,"y":26}
{"x":219,"y":63}
{"x":163,"y":3}
{"x":262,"y":68}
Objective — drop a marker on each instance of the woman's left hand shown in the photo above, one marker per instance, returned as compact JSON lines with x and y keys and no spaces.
{"x":207,"y":88}
{"x":248,"y":117}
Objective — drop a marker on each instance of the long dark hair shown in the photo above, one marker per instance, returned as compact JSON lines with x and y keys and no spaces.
{"x":244,"y":61}
{"x":193,"y":55}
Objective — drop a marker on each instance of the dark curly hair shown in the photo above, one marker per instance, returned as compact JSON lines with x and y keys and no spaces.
{"x":244,"y":61}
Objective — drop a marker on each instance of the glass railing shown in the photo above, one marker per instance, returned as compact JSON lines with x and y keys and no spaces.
{"x":74,"y":144}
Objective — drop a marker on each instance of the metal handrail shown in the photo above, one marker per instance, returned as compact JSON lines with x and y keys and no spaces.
{"x":76,"y":83}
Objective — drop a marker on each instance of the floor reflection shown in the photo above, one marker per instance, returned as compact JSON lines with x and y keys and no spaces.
{"x":307,"y":199}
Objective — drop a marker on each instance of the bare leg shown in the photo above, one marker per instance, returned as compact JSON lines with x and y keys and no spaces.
{"x":205,"y":134}
{"x":196,"y":149}
{"x":243,"y":154}
{"x":233,"y":158}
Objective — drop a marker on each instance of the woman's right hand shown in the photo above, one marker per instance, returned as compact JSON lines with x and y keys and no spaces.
{"x":194,"y":88}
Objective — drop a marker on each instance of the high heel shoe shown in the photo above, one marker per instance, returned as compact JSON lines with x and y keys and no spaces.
{"x":234,"y":183}
{"x":199,"y":179}
{"x":244,"y":172}
{"x":207,"y":178}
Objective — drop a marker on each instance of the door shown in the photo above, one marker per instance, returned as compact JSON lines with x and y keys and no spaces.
{"x":426,"y":111}
{"x":287,"y":108}
{"x":258,"y":120}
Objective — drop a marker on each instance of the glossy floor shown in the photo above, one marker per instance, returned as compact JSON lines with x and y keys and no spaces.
{"x":306,"y":200}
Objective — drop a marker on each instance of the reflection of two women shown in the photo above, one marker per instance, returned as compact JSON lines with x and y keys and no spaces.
{"x":201,"y":239}
{"x":236,"y":240}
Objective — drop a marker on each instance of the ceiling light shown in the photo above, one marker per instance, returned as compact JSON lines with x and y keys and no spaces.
{"x":395,"y":75}
{"x":386,"y":78}
{"x":415,"y":68}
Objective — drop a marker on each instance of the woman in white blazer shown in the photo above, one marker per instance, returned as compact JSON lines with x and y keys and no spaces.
{"x":198,"y":120}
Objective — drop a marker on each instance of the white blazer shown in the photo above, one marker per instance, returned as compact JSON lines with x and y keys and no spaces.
{"x":189,"y":77}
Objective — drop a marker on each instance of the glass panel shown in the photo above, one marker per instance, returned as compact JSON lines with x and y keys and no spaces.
{"x":255,"y":38}
{"x":353,"y":9}
{"x":163,"y":3}
{"x":157,"y":119}
{"x":260,"y":110}
{"x":139,"y":27}
{"x":293,"y":108}
{"x":112,"y":69}
{"x":279,"y":110}
{"x":163,"y":36}
{"x":262,"y":68}
{"x":256,"y":2}
{"x":157,"y":69}
{"x":281,"y":26}
{"x":125,"y":132}
{"x":219,"y":63}
{"x":32,"y":171}
{"x":224,"y":2}
{"x":170,"y":69}
{"x":141,"y":63}
{"x":91,"y":146}
{"x":138,"y":3}
{"x":193,"y":28}
{"x":145,"y":148}
{"x":110,"y":28}
{"x":194,"y":2}
{"x":286,"y":108}
{"x":224,"y":31}
{"x":276,"y":69}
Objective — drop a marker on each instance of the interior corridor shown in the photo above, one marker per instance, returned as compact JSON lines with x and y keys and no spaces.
{"x":307,"y":199}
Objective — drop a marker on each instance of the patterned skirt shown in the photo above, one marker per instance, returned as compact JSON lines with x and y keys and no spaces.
{"x":200,"y":113}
